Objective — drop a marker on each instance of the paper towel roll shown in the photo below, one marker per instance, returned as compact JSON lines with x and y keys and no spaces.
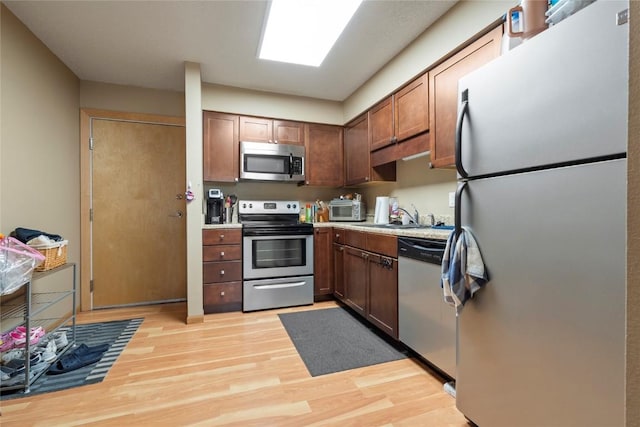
{"x":381,"y":214}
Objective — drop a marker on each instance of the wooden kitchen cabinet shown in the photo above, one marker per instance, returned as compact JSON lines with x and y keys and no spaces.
{"x":259,"y":129}
{"x":338,"y":263}
{"x":220,"y":148}
{"x":411,"y":109}
{"x":443,"y":90}
{"x":369,"y":281}
{"x":399,"y":124}
{"x":323,"y":262}
{"x":382,"y":306}
{"x":356,"y":279}
{"x":338,"y":271}
{"x":381,"y":124}
{"x":325,"y":155}
{"x":358,"y":169}
{"x":222,"y":270}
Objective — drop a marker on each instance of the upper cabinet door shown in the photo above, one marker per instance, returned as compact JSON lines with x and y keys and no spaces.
{"x":259,"y":129}
{"x":288,"y":132}
{"x":356,"y":151}
{"x":381,"y":122}
{"x":443,"y":88}
{"x":324,"y":162}
{"x":256,"y":129}
{"x":411,"y":109}
{"x":220,"y":147}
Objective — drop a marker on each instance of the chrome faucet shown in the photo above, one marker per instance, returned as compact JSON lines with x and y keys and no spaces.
{"x":415,"y":218}
{"x":416,"y":215}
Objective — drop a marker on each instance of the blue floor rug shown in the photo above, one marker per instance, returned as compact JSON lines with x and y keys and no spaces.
{"x":116,"y":333}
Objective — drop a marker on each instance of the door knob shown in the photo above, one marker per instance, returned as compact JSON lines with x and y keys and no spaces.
{"x":179,"y":196}
{"x":178,"y":214}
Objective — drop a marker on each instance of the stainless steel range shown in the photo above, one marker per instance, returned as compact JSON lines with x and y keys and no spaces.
{"x":277,"y":255}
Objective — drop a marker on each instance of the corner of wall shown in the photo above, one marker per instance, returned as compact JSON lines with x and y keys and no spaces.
{"x":193,"y":129}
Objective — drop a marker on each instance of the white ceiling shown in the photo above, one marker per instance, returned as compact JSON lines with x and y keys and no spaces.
{"x":145,"y":43}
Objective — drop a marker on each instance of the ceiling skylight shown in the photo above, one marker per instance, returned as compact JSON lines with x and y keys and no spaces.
{"x":303,"y":31}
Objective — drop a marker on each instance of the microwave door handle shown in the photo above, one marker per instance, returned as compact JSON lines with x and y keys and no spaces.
{"x":290,"y":165}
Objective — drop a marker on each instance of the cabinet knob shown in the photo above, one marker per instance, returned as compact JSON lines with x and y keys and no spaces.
{"x":337,"y":236}
{"x":222,"y":272}
{"x":222,"y":293}
{"x":221,"y":254}
{"x":221,"y":236}
{"x":341,"y":249}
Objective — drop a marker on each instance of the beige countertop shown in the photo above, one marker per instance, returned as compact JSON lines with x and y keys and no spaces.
{"x":214,"y":226}
{"x":426,"y":233}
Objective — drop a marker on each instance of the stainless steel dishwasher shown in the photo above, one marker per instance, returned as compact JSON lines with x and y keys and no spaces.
{"x":426,"y":324}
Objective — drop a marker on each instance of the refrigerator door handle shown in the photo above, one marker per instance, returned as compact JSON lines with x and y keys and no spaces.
{"x":464,"y":107}
{"x":458,"y":209}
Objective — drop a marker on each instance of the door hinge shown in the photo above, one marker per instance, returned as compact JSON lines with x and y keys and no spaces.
{"x":91,"y":143}
{"x":91,"y":285}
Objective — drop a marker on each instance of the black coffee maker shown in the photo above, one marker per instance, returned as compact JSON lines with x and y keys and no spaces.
{"x":215,"y":207}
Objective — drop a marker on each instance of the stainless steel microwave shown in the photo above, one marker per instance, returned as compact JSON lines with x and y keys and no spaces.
{"x":347,"y":210}
{"x":271,"y":162}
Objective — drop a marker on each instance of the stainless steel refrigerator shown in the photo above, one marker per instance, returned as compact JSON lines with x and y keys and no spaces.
{"x":541,"y":153}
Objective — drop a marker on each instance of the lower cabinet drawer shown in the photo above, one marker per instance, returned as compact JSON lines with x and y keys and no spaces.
{"x":222,"y":253}
{"x":222,"y":297}
{"x":225,"y":271}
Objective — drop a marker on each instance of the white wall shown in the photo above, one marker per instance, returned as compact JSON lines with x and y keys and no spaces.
{"x":130,"y":99}
{"x":39,"y":149}
{"x":254,"y":103}
{"x":459,"y":24}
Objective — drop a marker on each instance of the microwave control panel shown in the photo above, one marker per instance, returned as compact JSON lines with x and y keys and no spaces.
{"x":296,"y":166}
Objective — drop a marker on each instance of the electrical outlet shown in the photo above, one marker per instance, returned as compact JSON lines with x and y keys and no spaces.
{"x":452,"y":199}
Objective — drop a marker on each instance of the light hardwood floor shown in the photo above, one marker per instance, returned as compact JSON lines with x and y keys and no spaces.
{"x":238,"y":369}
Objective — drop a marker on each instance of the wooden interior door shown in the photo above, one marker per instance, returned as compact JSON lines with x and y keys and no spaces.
{"x":138,"y":231}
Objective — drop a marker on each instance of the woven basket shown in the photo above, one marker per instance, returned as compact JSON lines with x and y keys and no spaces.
{"x":55,"y":255}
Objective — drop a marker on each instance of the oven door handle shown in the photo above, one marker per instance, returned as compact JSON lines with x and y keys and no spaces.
{"x":280,"y":285}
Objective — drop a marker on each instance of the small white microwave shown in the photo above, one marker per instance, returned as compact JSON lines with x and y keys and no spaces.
{"x":347,"y":210}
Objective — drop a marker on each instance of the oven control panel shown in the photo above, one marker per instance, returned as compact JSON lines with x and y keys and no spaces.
{"x":268,"y":207}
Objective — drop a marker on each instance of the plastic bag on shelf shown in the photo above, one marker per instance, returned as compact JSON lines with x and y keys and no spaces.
{"x":17,"y":262}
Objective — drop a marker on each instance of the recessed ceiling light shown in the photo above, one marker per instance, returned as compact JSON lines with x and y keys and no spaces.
{"x":303,"y":31}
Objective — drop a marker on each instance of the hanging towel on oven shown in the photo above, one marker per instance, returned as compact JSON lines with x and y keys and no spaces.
{"x":463,"y":270}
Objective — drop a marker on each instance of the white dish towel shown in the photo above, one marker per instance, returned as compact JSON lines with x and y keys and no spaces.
{"x":463,"y":270}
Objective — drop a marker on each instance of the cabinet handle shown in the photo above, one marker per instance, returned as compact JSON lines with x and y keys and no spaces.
{"x":221,"y":254}
{"x":222,"y":293}
{"x":222,"y":272}
{"x":221,"y":236}
{"x":337,"y":236}
{"x":341,"y":249}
